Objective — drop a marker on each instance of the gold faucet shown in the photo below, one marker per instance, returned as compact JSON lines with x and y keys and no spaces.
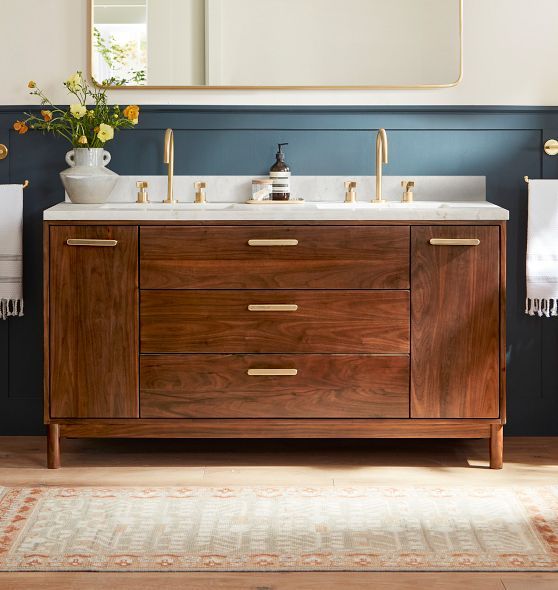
{"x":381,"y":158}
{"x":169,"y":160}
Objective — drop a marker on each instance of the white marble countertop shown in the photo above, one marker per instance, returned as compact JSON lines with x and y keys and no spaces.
{"x":308,"y":211}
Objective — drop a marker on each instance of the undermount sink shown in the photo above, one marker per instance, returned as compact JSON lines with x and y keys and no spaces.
{"x":158,"y":206}
{"x":399,"y":205}
{"x":164,"y":206}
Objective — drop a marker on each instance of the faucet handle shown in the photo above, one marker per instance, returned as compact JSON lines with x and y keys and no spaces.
{"x":350,"y":191}
{"x":143,"y":197}
{"x":200,"y":191}
{"x":408,"y":186}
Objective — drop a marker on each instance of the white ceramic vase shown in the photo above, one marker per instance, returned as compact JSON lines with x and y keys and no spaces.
{"x":87,"y":180}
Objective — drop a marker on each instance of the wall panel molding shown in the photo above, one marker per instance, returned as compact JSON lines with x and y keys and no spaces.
{"x":501,"y":143}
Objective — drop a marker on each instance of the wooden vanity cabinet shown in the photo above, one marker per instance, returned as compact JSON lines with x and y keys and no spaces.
{"x":92,"y":322}
{"x":297,"y":330}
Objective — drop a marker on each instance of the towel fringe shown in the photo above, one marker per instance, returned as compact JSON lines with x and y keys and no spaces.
{"x":11,"y":307}
{"x":541,"y":307}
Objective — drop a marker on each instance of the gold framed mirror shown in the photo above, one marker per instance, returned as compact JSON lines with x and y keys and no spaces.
{"x":276,"y":44}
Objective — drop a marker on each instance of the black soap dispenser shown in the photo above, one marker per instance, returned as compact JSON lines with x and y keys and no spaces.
{"x":280,"y":175}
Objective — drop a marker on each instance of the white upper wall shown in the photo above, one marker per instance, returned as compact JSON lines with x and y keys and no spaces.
{"x":511,"y":58}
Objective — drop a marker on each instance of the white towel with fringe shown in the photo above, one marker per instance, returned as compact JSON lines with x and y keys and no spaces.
{"x":11,"y":250}
{"x":542,"y":249}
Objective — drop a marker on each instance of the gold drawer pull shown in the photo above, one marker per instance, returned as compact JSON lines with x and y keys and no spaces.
{"x":97,"y":243}
{"x":273,"y":307}
{"x":272,"y":242}
{"x":454,"y":242}
{"x":272,"y":372}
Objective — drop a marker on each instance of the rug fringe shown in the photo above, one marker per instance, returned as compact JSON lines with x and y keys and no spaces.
{"x":11,"y":307}
{"x":541,"y":307}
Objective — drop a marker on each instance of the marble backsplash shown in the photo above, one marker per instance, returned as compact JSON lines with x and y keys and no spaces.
{"x":238,"y":189}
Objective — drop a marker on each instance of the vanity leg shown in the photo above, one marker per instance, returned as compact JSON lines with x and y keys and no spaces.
{"x":53,"y":446}
{"x":496,"y":446}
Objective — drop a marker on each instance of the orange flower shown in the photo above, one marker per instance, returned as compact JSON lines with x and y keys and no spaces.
{"x":47,"y":115}
{"x":21,"y":127}
{"x":131,"y":112}
{"x":96,"y":130}
{"x":31,"y":84}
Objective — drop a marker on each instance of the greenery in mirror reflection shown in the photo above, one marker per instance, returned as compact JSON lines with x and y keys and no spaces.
{"x":117,"y":57}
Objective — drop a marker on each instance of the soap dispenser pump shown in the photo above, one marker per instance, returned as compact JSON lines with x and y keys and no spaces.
{"x":280,"y":175}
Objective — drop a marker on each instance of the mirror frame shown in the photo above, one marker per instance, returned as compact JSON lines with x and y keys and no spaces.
{"x":360,"y":87}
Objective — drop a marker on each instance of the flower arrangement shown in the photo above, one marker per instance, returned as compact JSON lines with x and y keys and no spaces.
{"x":88,"y":123}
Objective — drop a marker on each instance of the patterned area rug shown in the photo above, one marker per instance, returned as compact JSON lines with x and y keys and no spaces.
{"x":279,"y":529}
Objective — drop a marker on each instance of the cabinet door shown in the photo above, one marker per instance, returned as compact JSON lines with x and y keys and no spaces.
{"x":93,"y":323}
{"x":455,"y":304}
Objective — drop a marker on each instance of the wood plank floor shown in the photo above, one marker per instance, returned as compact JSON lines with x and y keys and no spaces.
{"x":529,"y":461}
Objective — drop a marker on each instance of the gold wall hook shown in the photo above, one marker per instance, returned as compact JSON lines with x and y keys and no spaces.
{"x":25,"y":184}
{"x":3,"y":151}
{"x":551,"y":147}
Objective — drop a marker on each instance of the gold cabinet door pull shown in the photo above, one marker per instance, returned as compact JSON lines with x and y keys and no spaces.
{"x":273,"y":307}
{"x":95,"y":243}
{"x":272,"y":242}
{"x":454,"y":242}
{"x":272,"y":372}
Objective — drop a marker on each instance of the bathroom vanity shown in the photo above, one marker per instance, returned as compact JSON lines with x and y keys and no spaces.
{"x":302,"y":321}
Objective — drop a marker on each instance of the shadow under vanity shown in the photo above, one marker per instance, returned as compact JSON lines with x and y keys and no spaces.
{"x":279,"y":321}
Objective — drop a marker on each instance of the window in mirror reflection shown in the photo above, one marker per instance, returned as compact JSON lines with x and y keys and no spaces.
{"x":120,"y":42}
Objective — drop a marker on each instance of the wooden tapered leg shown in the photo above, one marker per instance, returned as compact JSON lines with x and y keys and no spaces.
{"x":496,"y":446}
{"x":53,"y":446}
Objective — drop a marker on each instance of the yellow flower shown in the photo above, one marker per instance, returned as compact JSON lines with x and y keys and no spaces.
{"x":21,"y":127}
{"x":105,"y":133}
{"x":78,"y":110}
{"x":74,"y":82}
{"x":90,"y":113}
{"x":131,"y":112}
{"x":47,"y":115}
{"x":82,"y":140}
{"x":31,"y":84}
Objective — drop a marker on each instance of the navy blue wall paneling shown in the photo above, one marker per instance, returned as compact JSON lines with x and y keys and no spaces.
{"x":503,"y":144}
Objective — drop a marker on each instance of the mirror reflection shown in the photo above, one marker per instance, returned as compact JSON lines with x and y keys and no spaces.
{"x":276,"y":43}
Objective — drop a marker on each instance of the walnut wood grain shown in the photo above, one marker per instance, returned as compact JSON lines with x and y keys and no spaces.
{"x":93,"y":343}
{"x":325,"y":258}
{"x":276,"y":428}
{"x":325,"y":386}
{"x":455,"y":324}
{"x":325,"y":322}
{"x":496,"y":446}
{"x":53,"y":446}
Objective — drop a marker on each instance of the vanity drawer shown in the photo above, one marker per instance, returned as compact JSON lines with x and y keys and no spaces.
{"x":305,"y":321}
{"x":274,"y":257}
{"x":324,"y":386}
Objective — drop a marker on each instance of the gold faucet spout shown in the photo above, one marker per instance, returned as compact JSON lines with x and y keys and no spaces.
{"x":381,"y":158}
{"x":169,"y":160}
